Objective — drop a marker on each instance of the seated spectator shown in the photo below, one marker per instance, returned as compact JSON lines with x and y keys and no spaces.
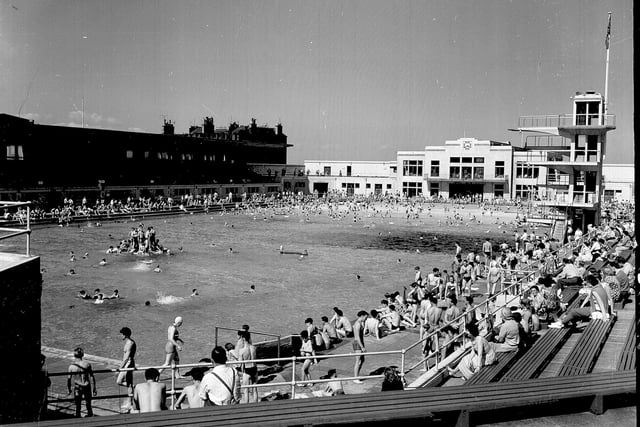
{"x":482,"y":354}
{"x":508,"y":335}
{"x":151,"y":395}
{"x":569,"y":274}
{"x":598,"y":306}
{"x":392,"y":380}
{"x":314,"y":335}
{"x":329,"y":331}
{"x":334,"y":388}
{"x":342,"y":324}
{"x":372,"y":325}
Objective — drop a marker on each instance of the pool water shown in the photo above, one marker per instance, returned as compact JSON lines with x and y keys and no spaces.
{"x":289,"y":288}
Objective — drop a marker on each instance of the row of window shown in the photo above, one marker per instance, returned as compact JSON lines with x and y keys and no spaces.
{"x":455,"y":171}
{"x":351,"y":185}
{"x":14,"y":152}
{"x":466,"y":159}
{"x":524,"y":170}
{"x":183,"y":156}
{"x":412,"y":168}
{"x":526,"y":191}
{"x":466,"y":172}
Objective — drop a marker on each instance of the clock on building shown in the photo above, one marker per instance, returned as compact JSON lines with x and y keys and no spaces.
{"x":466,"y":145}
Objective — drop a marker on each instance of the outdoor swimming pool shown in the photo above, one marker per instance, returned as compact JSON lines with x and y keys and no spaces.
{"x":289,"y":289}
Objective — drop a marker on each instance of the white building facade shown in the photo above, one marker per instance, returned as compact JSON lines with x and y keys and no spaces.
{"x":360,"y":178}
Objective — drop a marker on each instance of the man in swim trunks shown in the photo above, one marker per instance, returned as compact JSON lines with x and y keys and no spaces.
{"x":125,"y":378}
{"x":81,"y":376}
{"x":358,"y":342}
{"x":173,"y":346}
{"x":150,"y":395}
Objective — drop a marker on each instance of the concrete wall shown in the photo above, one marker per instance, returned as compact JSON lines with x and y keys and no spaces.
{"x":20,"y":293}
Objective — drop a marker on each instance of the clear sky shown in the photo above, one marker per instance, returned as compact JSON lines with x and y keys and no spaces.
{"x":349,"y":80}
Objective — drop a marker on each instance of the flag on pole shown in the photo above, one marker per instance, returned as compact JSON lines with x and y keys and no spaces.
{"x":608,"y":38}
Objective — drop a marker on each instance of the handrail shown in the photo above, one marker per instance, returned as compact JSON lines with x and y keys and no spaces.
{"x":14,"y":232}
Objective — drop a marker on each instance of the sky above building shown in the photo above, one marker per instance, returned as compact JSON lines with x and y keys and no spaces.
{"x":349,"y":80}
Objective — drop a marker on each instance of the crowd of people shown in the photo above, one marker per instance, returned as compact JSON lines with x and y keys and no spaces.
{"x":596,"y":260}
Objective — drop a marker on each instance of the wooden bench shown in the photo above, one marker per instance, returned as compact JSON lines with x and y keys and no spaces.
{"x":456,"y":403}
{"x":493,"y":372}
{"x":627,"y":361}
{"x":582,"y":358}
{"x":536,"y":358}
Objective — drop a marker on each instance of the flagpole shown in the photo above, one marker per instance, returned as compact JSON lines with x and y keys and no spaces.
{"x":606,"y":72}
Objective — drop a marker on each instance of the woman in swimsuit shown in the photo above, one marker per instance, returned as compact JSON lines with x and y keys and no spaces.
{"x":172,"y":346}
{"x":306,"y":350}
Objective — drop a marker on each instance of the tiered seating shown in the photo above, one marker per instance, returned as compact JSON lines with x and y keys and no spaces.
{"x":627,"y":360}
{"x":536,"y":358}
{"x":491,"y":373}
{"x":459,"y":403}
{"x":583,"y":356}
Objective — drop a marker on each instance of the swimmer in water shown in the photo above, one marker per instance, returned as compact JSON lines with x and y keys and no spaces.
{"x":147,"y":303}
{"x":251,"y":290}
{"x":71,"y":272}
{"x":230,"y":250}
{"x":114,"y":295}
{"x":103,"y":261}
{"x":83,"y":295}
{"x":99,"y":299}
{"x":157,"y":269}
{"x":194,"y":293}
{"x":86,"y":255}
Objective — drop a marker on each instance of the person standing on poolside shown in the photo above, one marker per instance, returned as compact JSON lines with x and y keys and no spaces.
{"x":358,"y":343}
{"x":81,"y":377}
{"x":125,"y":378}
{"x":173,"y":346}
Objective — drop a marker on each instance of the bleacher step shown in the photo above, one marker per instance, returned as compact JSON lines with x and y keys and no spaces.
{"x":553,"y":368}
{"x":610,"y":355}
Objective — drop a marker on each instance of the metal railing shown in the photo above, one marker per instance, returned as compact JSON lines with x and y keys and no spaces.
{"x":566,"y":120}
{"x":14,"y":231}
{"x":276,"y":336}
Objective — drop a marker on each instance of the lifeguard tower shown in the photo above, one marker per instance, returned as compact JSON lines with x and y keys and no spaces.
{"x":570,"y":149}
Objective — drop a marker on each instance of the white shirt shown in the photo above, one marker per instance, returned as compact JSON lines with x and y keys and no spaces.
{"x":212,"y":388}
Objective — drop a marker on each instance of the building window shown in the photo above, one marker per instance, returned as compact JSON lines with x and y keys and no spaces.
{"x":327,"y":170}
{"x":454,"y":159}
{"x":466,"y":172}
{"x":478,"y":160}
{"x":377,"y":188}
{"x":467,"y":160}
{"x":344,"y":185}
{"x":129,"y":154}
{"x":434,"y":189}
{"x":498,"y":190}
{"x":388,"y":186}
{"x":412,"y":189}
{"x":348,"y":170}
{"x":14,"y":152}
{"x":454,"y":172}
{"x":525,"y":170}
{"x":526,"y":192}
{"x":412,"y":167}
{"x":500,"y":169}
{"x":435,"y":168}
{"x":146,"y":154}
{"x":367,"y":185}
{"x":478,"y":172}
